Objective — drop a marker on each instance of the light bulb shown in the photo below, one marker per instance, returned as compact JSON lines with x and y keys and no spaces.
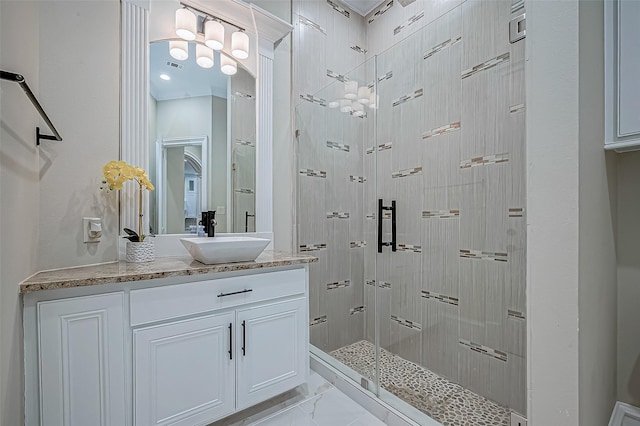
{"x":345,"y":105}
{"x":179,"y":49}
{"x":186,"y":23}
{"x":240,"y":45}
{"x":204,"y":56}
{"x":351,"y":89}
{"x":214,"y":35}
{"x":227,"y":65}
{"x":363,"y":95}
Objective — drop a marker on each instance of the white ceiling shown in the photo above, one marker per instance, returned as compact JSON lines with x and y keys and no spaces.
{"x":363,"y":7}
{"x":191,"y":80}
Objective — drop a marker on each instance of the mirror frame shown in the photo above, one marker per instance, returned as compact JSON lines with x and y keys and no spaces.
{"x":134,"y":111}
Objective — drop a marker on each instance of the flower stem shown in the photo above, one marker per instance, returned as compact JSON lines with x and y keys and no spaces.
{"x":140,"y":236}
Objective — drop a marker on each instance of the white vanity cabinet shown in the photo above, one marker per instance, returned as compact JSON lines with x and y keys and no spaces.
{"x":165,"y":352}
{"x":82,"y":360}
{"x":622,"y":68}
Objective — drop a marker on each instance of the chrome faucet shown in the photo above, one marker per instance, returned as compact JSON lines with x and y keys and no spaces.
{"x":209,"y":222}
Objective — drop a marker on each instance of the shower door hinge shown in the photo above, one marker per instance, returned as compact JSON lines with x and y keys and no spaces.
{"x":518,"y":28}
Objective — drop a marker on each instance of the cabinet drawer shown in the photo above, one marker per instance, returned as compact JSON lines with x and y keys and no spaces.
{"x":161,"y":303}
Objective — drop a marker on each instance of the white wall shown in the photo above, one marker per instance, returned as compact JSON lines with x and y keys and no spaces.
{"x":69,"y":55}
{"x":571,"y":218}
{"x":628,"y":278}
{"x":597,"y":228}
{"x":80,"y":90}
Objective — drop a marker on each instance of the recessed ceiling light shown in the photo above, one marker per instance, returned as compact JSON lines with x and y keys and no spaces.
{"x":165,"y":77}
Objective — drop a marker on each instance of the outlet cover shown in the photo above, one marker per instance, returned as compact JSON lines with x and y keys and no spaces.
{"x":91,"y":229}
{"x":517,"y":420}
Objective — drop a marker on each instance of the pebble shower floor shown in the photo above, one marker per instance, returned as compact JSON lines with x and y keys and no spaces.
{"x":443,"y":400}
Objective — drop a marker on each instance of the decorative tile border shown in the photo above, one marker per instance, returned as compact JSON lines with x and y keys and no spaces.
{"x":516,"y":5}
{"x":313,"y":173}
{"x":341,"y":10}
{"x":339,"y":146}
{"x":246,"y":96}
{"x":448,"y":128}
{"x":385,"y":146}
{"x":337,"y":215}
{"x":357,"y":310}
{"x":516,"y":212}
{"x":515,"y":314}
{"x":380,"y":11}
{"x":494,"y":353}
{"x":371,"y":216}
{"x":440,"y":214}
{"x":319,"y":320}
{"x":409,"y":248}
{"x":357,"y":244}
{"x":386,"y":76}
{"x":359,"y":49}
{"x":245,"y":143}
{"x":313,"y":247}
{"x":338,"y":77}
{"x":516,"y":108}
{"x":372,"y":283}
{"x":429,"y":53}
{"x":371,"y":150}
{"x":415,"y":18}
{"x":381,"y":284}
{"x":440,"y":298}
{"x":310,"y":23}
{"x":407,"y":172}
{"x":406,"y":323}
{"x":363,"y":116}
{"x":483,"y":255}
{"x":484,"y":161}
{"x":408,"y":97}
{"x":244,"y":191}
{"x":313,"y":99}
{"x":338,"y":284}
{"x":486,"y":65}
{"x":358,"y":179}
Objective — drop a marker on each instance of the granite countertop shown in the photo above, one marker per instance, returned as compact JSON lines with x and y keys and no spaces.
{"x":162,"y":267}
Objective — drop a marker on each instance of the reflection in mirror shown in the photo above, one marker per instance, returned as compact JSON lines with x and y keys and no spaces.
{"x":202,"y":144}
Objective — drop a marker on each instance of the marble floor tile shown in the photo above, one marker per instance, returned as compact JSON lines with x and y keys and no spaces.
{"x":332,"y":408}
{"x":367,"y":420}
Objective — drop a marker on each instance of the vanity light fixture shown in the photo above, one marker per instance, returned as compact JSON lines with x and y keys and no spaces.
{"x":214,"y":34}
{"x":334,"y":104}
{"x":186,"y":24}
{"x":227,"y":65}
{"x":363,"y":95}
{"x":351,"y":89}
{"x":358,"y":109}
{"x":204,"y":56}
{"x":345,"y":105}
{"x":240,"y":45}
{"x":179,"y":49}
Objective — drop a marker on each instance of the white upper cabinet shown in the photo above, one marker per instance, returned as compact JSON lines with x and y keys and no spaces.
{"x":622,"y":75}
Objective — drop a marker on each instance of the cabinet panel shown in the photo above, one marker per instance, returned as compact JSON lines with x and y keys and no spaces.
{"x":629,"y":67}
{"x":183,"y":372}
{"x":81,"y":355}
{"x":275,"y":350}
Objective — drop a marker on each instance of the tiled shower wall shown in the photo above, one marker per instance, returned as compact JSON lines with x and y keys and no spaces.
{"x":448,"y":145}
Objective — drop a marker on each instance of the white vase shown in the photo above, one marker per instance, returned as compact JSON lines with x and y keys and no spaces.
{"x":140,"y":251}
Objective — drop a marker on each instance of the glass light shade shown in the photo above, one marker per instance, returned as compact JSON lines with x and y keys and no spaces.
{"x":345,"y":105}
{"x":334,"y":104}
{"x":374,"y":100}
{"x":204,"y":56}
{"x":227,"y":65}
{"x":351,"y":89}
{"x":214,"y":35}
{"x":186,"y":24}
{"x":358,"y":109}
{"x":179,"y":49}
{"x":240,"y":45}
{"x":363,"y":95}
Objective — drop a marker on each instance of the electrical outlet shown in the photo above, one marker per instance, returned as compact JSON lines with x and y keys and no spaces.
{"x":91,"y":229}
{"x":517,"y":420}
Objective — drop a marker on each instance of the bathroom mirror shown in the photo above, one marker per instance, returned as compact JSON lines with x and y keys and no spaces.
{"x":202,"y":133}
{"x":140,"y":26}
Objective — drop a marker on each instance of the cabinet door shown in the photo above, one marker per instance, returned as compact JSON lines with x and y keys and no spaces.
{"x":81,"y":355}
{"x":184,"y":372}
{"x":273,"y":350}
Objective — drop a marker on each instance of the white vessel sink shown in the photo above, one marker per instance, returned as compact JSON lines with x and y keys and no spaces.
{"x":211,"y":250}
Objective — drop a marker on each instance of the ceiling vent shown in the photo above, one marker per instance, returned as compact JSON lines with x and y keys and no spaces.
{"x":175,"y":65}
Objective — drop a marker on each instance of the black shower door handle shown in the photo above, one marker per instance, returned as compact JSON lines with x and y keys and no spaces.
{"x":382,"y":208}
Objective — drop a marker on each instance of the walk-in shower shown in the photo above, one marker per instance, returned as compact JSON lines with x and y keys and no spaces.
{"x":414,"y":205}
